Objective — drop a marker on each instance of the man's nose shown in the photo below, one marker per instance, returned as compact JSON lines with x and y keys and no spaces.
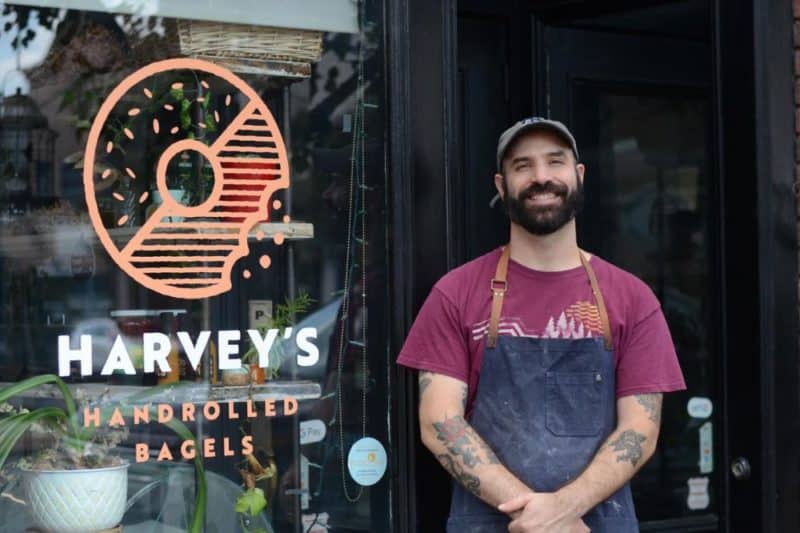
{"x":539,"y":173}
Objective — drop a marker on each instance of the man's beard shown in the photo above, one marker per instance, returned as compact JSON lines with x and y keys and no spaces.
{"x":544,"y":220}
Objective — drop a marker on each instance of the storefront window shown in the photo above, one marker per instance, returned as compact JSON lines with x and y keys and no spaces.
{"x":192,"y":228}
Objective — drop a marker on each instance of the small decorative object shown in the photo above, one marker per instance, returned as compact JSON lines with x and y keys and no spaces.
{"x":284,"y":52}
{"x":257,"y":374}
{"x":284,"y":317}
{"x":252,"y":501}
{"x":236,"y":377}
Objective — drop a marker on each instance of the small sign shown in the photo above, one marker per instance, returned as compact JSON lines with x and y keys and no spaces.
{"x":316,"y":523}
{"x":700,"y":407}
{"x":312,"y":431}
{"x":706,"y":448}
{"x":699,"y":498}
{"x":367,"y":461}
{"x":259,"y":313}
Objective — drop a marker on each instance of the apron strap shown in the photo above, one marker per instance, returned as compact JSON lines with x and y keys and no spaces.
{"x":498,"y":287}
{"x":598,"y":296}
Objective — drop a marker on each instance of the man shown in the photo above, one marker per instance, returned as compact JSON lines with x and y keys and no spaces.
{"x":542,"y":367}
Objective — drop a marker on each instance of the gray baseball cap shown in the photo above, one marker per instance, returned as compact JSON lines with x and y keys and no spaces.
{"x":529,"y":124}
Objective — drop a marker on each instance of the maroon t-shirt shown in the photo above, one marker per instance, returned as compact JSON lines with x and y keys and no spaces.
{"x":449,"y":333}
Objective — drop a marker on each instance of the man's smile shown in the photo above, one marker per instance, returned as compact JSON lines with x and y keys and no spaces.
{"x":543,"y":198}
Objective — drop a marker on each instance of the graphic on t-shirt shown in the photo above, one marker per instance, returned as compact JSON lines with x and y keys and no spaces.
{"x":580,"y":320}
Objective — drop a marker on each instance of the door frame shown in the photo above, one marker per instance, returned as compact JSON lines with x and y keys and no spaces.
{"x":753,"y":93}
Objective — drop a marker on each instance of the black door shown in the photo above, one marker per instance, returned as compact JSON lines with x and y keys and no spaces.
{"x":636,"y":88}
{"x":682,"y":113}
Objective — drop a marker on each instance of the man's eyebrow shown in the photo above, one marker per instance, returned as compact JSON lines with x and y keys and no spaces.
{"x":556,"y":153}
{"x":520,"y":159}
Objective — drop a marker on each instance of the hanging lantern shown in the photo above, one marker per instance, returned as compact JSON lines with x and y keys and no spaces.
{"x":26,"y":148}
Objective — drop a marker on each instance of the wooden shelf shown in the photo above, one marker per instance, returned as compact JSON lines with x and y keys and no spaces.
{"x":184,"y":392}
{"x":63,"y":241}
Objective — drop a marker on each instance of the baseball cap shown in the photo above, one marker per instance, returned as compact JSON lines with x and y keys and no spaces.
{"x":533,"y":123}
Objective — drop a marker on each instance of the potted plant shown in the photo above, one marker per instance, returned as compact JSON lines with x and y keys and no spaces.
{"x":284,"y":316}
{"x":252,"y":501}
{"x":77,"y":485}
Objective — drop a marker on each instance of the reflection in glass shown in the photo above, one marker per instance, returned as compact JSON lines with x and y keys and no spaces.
{"x":647,"y":158}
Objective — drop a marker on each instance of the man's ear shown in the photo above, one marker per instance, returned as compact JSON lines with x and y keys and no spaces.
{"x":580,"y":169}
{"x":498,"y":184}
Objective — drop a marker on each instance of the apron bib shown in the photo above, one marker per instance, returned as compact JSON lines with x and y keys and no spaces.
{"x":545,"y":406}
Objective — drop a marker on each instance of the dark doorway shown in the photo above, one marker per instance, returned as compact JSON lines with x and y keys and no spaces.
{"x":681,"y":110}
{"x":635,"y":85}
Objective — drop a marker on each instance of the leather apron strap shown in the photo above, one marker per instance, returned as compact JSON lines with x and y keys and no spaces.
{"x":499,"y":286}
{"x":598,"y":297}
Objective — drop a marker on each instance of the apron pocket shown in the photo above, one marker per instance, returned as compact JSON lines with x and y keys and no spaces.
{"x":573,"y":403}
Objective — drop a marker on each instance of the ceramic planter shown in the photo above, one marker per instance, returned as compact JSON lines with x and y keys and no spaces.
{"x":236,"y":377}
{"x":77,"y":501}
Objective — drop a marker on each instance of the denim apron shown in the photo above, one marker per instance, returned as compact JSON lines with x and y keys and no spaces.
{"x":544,"y":406}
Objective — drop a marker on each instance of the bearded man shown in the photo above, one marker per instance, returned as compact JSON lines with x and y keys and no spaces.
{"x":541,"y":366}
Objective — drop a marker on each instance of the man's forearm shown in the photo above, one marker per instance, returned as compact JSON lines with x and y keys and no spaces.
{"x":618,"y":459}
{"x":471,"y":461}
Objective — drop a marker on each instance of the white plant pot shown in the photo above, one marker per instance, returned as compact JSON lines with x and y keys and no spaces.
{"x":77,"y":501}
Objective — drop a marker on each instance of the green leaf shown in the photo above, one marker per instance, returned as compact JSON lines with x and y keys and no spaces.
{"x":185,"y":119}
{"x":83,"y":124}
{"x":185,"y":105}
{"x":177,"y":94}
{"x":211,"y":125}
{"x":251,"y":502}
{"x":15,"y":427}
{"x":34,"y":382}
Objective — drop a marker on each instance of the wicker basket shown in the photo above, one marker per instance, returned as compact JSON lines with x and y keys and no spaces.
{"x":252,"y":49}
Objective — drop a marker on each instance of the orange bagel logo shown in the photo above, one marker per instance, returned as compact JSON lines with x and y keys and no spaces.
{"x":185,"y":251}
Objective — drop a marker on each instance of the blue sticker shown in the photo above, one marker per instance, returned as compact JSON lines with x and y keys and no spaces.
{"x":367,"y":461}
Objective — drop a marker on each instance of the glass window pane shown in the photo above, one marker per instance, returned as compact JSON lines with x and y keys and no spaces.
{"x":151,"y":217}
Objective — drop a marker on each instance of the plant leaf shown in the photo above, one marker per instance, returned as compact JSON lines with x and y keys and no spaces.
{"x":16,"y":426}
{"x":177,"y":94}
{"x":251,"y":502}
{"x":211,"y":126}
{"x":185,"y":119}
{"x":38,"y":381}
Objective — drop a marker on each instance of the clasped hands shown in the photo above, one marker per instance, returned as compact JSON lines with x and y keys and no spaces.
{"x":542,"y":512}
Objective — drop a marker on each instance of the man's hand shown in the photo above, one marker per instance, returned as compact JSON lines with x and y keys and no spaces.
{"x":542,"y":513}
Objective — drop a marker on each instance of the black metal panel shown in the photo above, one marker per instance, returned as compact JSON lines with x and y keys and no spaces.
{"x":742,"y":366}
{"x":777,"y":216}
{"x":422,"y":83}
{"x":402,"y":386}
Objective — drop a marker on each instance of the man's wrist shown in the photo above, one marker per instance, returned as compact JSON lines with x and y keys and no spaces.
{"x":572,"y":500}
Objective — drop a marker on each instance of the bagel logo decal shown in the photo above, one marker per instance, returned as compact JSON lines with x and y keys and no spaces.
{"x":145,"y":129}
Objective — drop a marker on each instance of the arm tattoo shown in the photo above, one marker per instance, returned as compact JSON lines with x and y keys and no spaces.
{"x":424,"y":380}
{"x":491,"y":457}
{"x":454,"y":433}
{"x":470,"y":482}
{"x":651,"y":404}
{"x":629,"y":443}
{"x":464,"y":396}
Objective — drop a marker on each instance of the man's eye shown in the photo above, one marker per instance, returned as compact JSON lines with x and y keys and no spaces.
{"x":556,"y":162}
{"x":523,"y":165}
